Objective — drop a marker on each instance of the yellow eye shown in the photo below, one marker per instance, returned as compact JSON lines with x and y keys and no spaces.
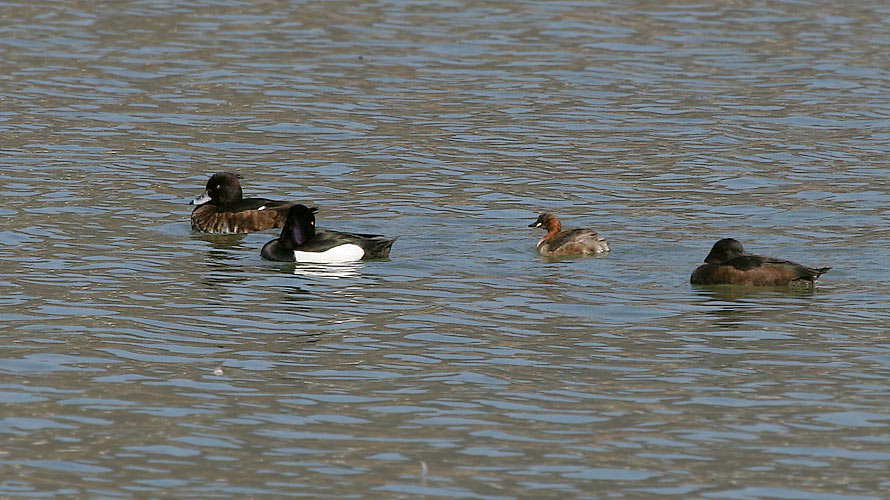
{"x":217,"y":186}
{"x":313,"y":223}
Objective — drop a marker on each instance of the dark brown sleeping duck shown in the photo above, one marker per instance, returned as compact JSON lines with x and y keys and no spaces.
{"x":569,"y":242}
{"x":222,"y":209}
{"x":729,"y":264}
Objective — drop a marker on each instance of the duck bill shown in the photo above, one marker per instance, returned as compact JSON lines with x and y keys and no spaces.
{"x":200,"y":200}
{"x":535,"y":224}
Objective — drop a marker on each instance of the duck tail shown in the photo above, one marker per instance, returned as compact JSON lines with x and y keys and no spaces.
{"x":819,"y":272}
{"x":379,"y":248}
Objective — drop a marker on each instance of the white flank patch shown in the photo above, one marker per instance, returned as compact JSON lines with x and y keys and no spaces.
{"x":340,"y":253}
{"x":262,"y":208}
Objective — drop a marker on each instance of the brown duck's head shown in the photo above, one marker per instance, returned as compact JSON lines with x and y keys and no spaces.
{"x":546,"y":220}
{"x":222,"y":189}
{"x":724,"y":250}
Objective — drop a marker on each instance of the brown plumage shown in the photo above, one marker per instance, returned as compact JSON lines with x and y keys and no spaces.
{"x":728,"y":263}
{"x":569,"y":242}
{"x":222,"y":209}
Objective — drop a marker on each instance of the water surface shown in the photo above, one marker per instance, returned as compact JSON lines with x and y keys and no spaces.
{"x":142,"y":360}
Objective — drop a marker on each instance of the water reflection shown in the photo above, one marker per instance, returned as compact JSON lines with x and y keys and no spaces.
{"x":751,"y":307}
{"x":222,"y":242}
{"x":329,"y":271}
{"x":739,"y":292}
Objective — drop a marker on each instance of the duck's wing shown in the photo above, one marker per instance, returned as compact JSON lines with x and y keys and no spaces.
{"x":748,"y":262}
{"x":256,"y":204}
{"x":372,"y":246}
{"x":244,"y":216}
{"x":586,"y":237}
{"x":326,"y":239}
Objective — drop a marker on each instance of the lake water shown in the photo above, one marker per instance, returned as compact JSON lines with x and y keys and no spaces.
{"x":141,"y":360}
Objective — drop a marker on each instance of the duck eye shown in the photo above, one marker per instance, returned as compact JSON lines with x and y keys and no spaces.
{"x":312,"y":222}
{"x":217,"y":186}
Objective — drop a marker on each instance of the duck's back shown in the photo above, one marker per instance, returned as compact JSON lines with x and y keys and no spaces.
{"x":755,"y":270}
{"x":573,"y":242}
{"x":244,"y":216}
{"x":374,"y":246}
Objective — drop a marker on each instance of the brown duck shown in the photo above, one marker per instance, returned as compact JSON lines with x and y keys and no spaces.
{"x":223,"y":209}
{"x":560,"y":242}
{"x":729,"y":264}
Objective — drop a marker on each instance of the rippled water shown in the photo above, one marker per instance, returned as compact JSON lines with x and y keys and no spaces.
{"x":141,"y":360}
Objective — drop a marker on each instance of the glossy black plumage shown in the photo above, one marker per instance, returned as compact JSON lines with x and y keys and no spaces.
{"x":300,"y":239}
